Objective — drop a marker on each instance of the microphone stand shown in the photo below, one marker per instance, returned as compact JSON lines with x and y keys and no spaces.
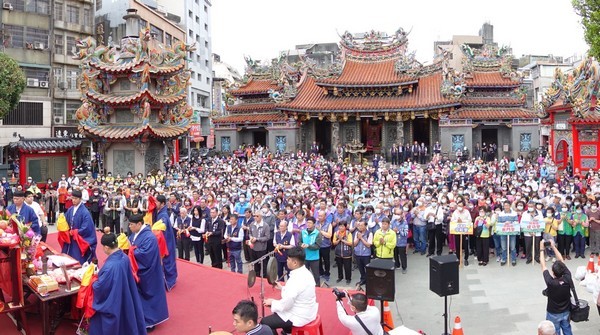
{"x":262,"y":288}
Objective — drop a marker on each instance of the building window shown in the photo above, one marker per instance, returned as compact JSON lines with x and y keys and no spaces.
{"x":72,"y":79}
{"x":87,"y":17}
{"x":190,"y":14}
{"x":15,"y":36}
{"x":59,"y":13}
{"x":280,"y":143}
{"x":26,"y":114}
{"x":207,"y":81}
{"x":226,"y":144}
{"x":199,"y":100}
{"x":458,"y":143}
{"x":199,"y":76}
{"x":59,"y":44}
{"x":198,"y":58}
{"x":191,"y":33}
{"x":525,"y":143}
{"x":58,"y":109}
{"x":168,"y":39}
{"x":143,"y":23}
{"x":58,"y":76}
{"x":206,"y":44}
{"x":157,"y":33}
{"x":71,"y":44}
{"x":37,"y":73}
{"x":197,"y":38}
{"x":98,"y":5}
{"x":206,"y":63}
{"x":206,"y":26}
{"x":205,"y":9}
{"x":197,"y":19}
{"x":32,"y":6}
{"x":36,"y":36}
{"x":71,"y":109}
{"x":72,"y":14}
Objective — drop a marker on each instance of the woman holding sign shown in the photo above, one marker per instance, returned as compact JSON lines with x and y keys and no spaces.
{"x":532,"y":225}
{"x":482,"y":232}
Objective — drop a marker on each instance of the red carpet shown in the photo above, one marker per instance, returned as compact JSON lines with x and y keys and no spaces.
{"x":202,"y":298}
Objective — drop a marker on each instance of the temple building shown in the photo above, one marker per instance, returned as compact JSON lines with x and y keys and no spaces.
{"x":569,"y":106}
{"x":134,"y":99}
{"x":377,"y":94}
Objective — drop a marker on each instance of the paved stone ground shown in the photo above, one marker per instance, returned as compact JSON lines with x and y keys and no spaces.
{"x":493,"y":299}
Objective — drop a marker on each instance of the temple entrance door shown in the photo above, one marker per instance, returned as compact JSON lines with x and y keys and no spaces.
{"x":562,"y":155}
{"x":260,"y":137}
{"x":323,"y":136}
{"x":371,"y":135}
{"x":490,"y":136}
{"x":421,"y":132}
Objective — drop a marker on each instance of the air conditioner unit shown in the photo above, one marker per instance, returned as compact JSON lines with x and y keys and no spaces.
{"x":44,"y":84}
{"x":59,"y":120}
{"x":33,"y":82}
{"x":7,"y":5}
{"x":38,"y":46}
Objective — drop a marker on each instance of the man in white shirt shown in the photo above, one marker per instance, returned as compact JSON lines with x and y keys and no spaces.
{"x":29,"y":196}
{"x":368,"y":315}
{"x":298,"y":304}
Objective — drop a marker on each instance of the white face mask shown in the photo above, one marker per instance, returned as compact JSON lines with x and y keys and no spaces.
{"x":377,"y":210}
{"x":520,"y":208}
{"x":405,"y":209}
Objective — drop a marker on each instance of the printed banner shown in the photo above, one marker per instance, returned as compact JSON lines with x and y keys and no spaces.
{"x":533,"y":226}
{"x":463,"y":228}
{"x":508,"y":228}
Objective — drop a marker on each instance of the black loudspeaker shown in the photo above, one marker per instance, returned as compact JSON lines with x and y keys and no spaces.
{"x":381,"y":284}
{"x":443,"y":275}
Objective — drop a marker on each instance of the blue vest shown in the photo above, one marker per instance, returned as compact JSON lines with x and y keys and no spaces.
{"x":343,"y":250}
{"x":233,"y":233}
{"x":325,"y":242}
{"x":284,"y":240}
{"x":311,"y":255}
{"x":361,"y":249}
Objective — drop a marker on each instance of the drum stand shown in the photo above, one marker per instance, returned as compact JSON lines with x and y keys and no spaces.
{"x":262,"y":285}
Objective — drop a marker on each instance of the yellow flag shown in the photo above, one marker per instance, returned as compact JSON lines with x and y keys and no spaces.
{"x":123,"y":242}
{"x":87,"y":276}
{"x":159,"y":225}
{"x":61,"y":223}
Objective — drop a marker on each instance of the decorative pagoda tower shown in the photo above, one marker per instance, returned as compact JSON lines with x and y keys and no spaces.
{"x":134,"y":98}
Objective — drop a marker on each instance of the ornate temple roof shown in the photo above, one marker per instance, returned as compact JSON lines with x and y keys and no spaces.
{"x":489,"y":101}
{"x":114,"y":99}
{"x":490,"y":79}
{"x":492,"y":113}
{"x":426,"y":96}
{"x":131,"y":130}
{"x":252,"y":118}
{"x":366,"y":74}
{"x":251,"y":107}
{"x":577,"y":91}
{"x":32,"y":145}
{"x":256,"y":86}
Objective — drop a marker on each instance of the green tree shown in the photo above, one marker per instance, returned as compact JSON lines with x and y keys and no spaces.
{"x":12,"y":84}
{"x":589,"y":10}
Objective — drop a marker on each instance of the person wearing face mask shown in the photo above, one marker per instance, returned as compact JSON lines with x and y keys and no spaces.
{"x":580,"y":221}
{"x":565,"y":231}
{"x":593,"y":215}
{"x":531,"y":248}
{"x":435,"y":217}
{"x":400,"y":227}
{"x":95,"y":206}
{"x":482,"y":226}
{"x":461,"y":215}
{"x":419,"y":227}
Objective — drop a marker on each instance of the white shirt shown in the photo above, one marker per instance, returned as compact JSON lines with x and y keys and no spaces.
{"x":298,"y":302}
{"x":38,"y":211}
{"x":85,"y":196}
{"x":370,"y":317}
{"x":75,"y":208}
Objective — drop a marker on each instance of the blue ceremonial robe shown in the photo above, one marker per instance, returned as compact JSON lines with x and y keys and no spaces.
{"x":116,"y":300}
{"x":82,"y":221}
{"x":169,"y":265}
{"x":28,"y":215}
{"x":151,"y":286}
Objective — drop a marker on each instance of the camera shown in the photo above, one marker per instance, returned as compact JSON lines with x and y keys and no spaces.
{"x":338,"y":294}
{"x":546,"y":244}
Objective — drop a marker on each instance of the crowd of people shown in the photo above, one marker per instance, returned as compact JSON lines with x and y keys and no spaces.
{"x":238,"y":209}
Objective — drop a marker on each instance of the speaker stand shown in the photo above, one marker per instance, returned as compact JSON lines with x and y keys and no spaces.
{"x":445,"y":315}
{"x":383,"y":324}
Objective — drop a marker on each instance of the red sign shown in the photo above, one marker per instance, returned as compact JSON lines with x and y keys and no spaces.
{"x":196,"y":132}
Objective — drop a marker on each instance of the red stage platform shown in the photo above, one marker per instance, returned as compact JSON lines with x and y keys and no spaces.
{"x":202,"y":298}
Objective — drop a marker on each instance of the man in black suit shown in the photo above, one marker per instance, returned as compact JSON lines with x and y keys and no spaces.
{"x":214,"y":232}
